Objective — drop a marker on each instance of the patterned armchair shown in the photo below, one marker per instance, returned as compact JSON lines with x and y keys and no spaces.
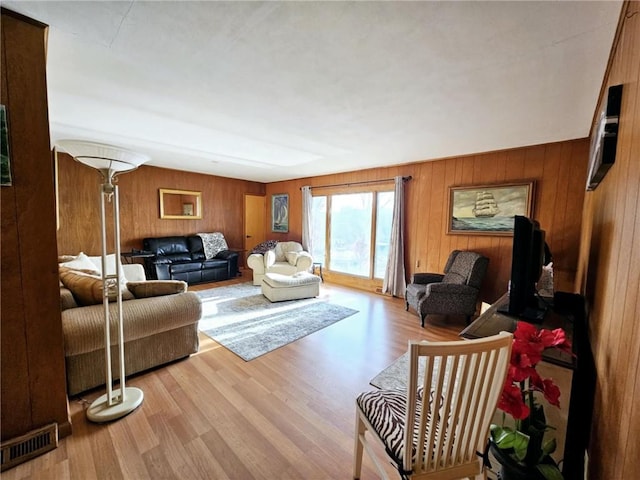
{"x":453,"y":293}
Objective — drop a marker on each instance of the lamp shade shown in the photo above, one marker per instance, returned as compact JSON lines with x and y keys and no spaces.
{"x":103,"y":157}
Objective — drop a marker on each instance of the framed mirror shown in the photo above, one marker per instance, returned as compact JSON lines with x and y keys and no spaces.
{"x":180,"y":204}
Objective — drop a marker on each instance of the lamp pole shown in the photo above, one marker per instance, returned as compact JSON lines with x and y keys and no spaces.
{"x":110,"y":161}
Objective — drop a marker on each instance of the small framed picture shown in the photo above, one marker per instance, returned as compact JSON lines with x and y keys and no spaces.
{"x":280,"y":213}
{"x":187,"y":209}
{"x":488,"y":209}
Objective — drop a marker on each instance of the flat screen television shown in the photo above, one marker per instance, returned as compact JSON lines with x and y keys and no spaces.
{"x":604,"y":139}
{"x":527,"y":258}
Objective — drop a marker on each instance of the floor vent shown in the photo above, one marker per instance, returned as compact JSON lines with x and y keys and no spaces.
{"x":28,"y":446}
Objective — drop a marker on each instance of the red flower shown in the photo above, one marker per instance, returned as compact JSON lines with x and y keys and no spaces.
{"x":540,"y":339}
{"x":524,"y":357}
{"x":549,"y":389}
{"x":511,"y":401}
{"x":528,"y":344}
{"x":518,"y":373}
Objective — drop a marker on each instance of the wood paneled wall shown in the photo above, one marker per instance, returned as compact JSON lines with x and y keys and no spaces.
{"x":33,"y":378}
{"x":79,"y":208}
{"x":609,"y":274}
{"x":559,"y":172}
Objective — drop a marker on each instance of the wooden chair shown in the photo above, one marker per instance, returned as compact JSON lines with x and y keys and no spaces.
{"x":444,"y":417}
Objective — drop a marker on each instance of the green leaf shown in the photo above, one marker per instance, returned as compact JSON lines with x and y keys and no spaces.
{"x":520,"y":445}
{"x":505,"y":439}
{"x":550,"y":472}
{"x":549,"y":447}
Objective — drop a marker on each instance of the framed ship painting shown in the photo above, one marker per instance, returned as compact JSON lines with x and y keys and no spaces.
{"x":488,"y":209}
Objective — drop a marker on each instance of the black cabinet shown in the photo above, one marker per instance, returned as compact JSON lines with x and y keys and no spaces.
{"x":574,"y":374}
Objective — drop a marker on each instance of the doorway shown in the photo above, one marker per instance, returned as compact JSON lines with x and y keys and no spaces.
{"x":254,"y":221}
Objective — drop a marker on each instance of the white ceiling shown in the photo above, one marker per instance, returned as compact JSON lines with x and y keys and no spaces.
{"x":271,"y":91}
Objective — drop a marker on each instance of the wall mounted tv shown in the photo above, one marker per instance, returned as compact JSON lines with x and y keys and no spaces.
{"x":604,"y":140}
{"x":527,"y":259}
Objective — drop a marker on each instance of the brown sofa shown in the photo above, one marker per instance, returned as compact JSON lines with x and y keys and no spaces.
{"x":157,"y":329}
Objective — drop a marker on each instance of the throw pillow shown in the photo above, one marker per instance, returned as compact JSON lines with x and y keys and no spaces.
{"x":81,"y":262}
{"x":111,"y":267}
{"x":292,"y":257}
{"x":85,"y":287}
{"x":264,"y":247}
{"x":156,"y":288}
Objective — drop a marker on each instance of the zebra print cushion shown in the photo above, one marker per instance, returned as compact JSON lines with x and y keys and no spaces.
{"x":385,"y":410}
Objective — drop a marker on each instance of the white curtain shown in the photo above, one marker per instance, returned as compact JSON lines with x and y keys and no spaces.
{"x":394,"y":277}
{"x":307,"y":204}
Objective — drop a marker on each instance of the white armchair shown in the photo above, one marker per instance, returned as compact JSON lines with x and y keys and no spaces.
{"x":287,"y":258}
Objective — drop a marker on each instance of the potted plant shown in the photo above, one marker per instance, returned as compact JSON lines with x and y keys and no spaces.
{"x":520,"y":447}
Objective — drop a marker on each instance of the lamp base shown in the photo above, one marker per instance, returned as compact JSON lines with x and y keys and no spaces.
{"x":99,"y":411}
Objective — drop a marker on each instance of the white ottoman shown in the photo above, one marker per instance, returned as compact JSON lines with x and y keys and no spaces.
{"x":278,"y":288}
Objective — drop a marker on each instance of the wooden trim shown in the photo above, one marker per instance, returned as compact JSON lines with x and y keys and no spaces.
{"x":365,"y":182}
{"x":25,"y":19}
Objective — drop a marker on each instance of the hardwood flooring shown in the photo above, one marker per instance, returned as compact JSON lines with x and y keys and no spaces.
{"x":289,"y":414}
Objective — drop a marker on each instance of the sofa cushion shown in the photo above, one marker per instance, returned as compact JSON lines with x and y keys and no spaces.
{"x":185,"y":267}
{"x":87,"y":288}
{"x":156,"y":288}
{"x":66,"y":299}
{"x":166,"y":245}
{"x":83,"y":328}
{"x":175,"y":258}
{"x":215,"y":263}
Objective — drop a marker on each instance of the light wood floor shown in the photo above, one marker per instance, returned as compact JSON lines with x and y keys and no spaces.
{"x":289,"y":414}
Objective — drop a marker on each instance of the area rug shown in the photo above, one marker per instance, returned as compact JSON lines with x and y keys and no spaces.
{"x":395,"y":375}
{"x":241,"y":319}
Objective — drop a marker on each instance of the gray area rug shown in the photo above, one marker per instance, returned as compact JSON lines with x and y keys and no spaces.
{"x":395,"y":375}
{"x":241,"y":319}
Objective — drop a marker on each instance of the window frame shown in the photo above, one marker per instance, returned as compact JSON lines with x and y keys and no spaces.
{"x":328,"y":192}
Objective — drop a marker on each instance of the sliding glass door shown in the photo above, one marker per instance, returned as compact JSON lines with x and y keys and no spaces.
{"x":351,"y":232}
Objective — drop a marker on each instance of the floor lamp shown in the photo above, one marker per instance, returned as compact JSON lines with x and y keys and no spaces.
{"x":109,"y":161}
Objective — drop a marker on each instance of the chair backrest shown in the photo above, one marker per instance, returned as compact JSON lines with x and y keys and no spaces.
{"x":465,"y":380}
{"x":282,"y":248}
{"x":465,"y":268}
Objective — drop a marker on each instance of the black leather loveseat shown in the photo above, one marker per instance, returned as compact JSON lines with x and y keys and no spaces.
{"x":183,"y":258}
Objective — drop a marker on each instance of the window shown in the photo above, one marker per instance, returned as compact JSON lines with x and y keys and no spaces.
{"x":319,"y":229}
{"x":384,"y":216}
{"x":351,"y":232}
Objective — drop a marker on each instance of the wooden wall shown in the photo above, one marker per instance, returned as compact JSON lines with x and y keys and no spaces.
{"x":33,"y":377}
{"x":559,"y":172}
{"x":609,"y":274}
{"x":79,"y":210}
{"x":558,"y":169}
